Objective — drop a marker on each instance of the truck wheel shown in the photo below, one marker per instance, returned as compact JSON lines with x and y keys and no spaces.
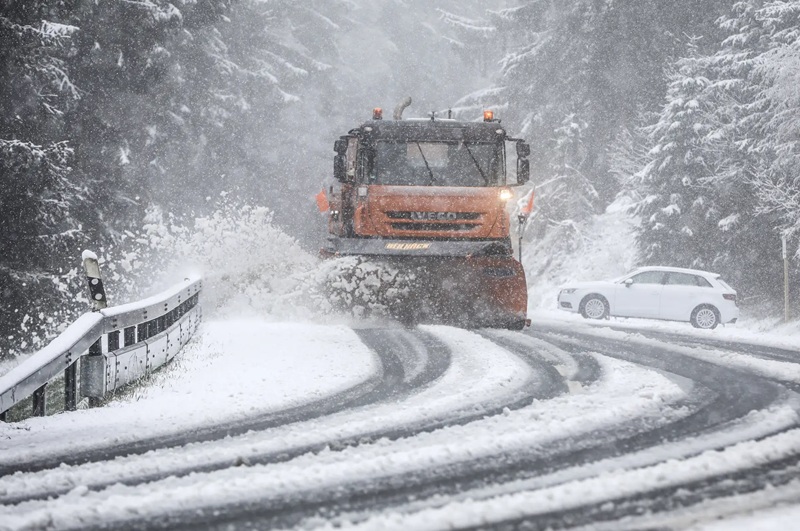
{"x":594,"y":306}
{"x":516,"y":325}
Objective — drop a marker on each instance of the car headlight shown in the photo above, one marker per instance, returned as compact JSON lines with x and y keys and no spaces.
{"x":568,"y":291}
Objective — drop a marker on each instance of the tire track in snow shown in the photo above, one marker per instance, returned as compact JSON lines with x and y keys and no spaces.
{"x":574,"y":368}
{"x":387,"y":381}
{"x":370,"y":495}
{"x":761,"y":352}
{"x":726,"y":408}
{"x":720,"y":399}
{"x":657,"y":502}
{"x":754,"y":350}
{"x":416,"y":355}
{"x":401,"y":374}
{"x":458,"y":410}
{"x":739,"y":394}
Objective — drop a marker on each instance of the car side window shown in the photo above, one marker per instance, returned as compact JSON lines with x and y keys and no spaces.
{"x":703,"y":283}
{"x":648,"y":277}
{"x":681,"y":279}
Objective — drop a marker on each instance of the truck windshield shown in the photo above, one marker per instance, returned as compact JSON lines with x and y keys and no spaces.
{"x":436,"y":164}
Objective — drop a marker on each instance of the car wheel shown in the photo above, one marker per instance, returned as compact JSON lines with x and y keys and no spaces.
{"x":594,"y":306}
{"x":705,"y":317}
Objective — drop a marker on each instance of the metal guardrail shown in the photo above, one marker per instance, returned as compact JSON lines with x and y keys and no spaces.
{"x":110,"y":347}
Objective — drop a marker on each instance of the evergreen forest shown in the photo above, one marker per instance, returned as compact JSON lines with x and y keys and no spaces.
{"x":118,"y":115}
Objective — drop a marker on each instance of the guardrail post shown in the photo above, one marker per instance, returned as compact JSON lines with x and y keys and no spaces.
{"x":95,"y":373}
{"x":40,"y":401}
{"x":71,"y":387}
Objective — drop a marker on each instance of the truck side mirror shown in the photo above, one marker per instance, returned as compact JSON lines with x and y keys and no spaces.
{"x":523,"y":171}
{"x":339,"y":172}
{"x":523,"y":150}
{"x":340,"y":146}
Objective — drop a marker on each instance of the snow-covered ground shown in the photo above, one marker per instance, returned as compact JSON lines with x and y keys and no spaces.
{"x":479,"y":374}
{"x":286,"y":364}
{"x":255,"y":356}
{"x":232,"y":370}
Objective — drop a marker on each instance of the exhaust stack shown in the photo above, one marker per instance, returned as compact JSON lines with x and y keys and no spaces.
{"x":398,"y":111}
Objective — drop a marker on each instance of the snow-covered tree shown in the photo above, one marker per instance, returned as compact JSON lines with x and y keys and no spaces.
{"x":602,"y":60}
{"x":40,"y":222}
{"x":148,"y":96}
{"x":713,"y":165}
{"x":777,"y":180}
{"x":568,"y":195}
{"x":679,"y":202}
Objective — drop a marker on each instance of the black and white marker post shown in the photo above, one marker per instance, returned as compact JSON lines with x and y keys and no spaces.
{"x":98,"y":295}
{"x":96,"y":290}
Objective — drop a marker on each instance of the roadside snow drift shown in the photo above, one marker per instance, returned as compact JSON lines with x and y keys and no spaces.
{"x":235,"y":369}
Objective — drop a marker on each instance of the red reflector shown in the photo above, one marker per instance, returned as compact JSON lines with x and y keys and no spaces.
{"x":322,"y":201}
{"x":527,"y":208}
{"x":729,"y":296}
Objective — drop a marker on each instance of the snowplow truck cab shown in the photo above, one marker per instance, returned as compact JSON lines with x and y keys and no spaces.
{"x":429,"y":195}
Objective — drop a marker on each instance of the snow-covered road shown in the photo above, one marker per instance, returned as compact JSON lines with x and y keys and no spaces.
{"x":265,"y":425}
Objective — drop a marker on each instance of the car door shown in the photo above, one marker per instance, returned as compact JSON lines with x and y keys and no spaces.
{"x":641,"y":297}
{"x":680,"y":296}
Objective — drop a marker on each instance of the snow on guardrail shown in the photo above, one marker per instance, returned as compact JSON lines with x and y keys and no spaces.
{"x":111,"y":348}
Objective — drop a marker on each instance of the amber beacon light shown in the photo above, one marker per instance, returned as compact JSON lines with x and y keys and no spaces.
{"x":488,"y":116}
{"x":377,"y":113}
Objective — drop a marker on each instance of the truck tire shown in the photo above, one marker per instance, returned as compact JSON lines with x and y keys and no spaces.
{"x":516,"y":325}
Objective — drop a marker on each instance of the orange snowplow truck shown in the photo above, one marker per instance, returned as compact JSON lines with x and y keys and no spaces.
{"x":429,"y":195}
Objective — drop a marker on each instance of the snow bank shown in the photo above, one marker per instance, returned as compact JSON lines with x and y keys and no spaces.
{"x":236,"y":369}
{"x":785,"y":337}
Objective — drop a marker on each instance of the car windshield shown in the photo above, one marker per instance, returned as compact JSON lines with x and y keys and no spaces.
{"x":436,"y":164}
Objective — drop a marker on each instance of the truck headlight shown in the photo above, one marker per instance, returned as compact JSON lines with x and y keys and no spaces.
{"x":506,"y":194}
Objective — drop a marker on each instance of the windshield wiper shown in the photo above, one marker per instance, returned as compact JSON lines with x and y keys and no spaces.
{"x":433,"y":179}
{"x":485,"y":178}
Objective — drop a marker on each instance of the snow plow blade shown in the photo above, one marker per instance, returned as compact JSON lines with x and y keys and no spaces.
{"x":463,"y":283}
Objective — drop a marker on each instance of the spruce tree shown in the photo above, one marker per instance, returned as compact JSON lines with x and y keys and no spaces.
{"x":679,"y":205}
{"x":40,"y":223}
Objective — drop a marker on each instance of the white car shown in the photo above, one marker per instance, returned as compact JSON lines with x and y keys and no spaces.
{"x":670,"y":293}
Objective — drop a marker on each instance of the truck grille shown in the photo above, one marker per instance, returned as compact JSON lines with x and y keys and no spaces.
{"x":424,"y":221}
{"x":434,"y":216}
{"x":454,"y":227}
